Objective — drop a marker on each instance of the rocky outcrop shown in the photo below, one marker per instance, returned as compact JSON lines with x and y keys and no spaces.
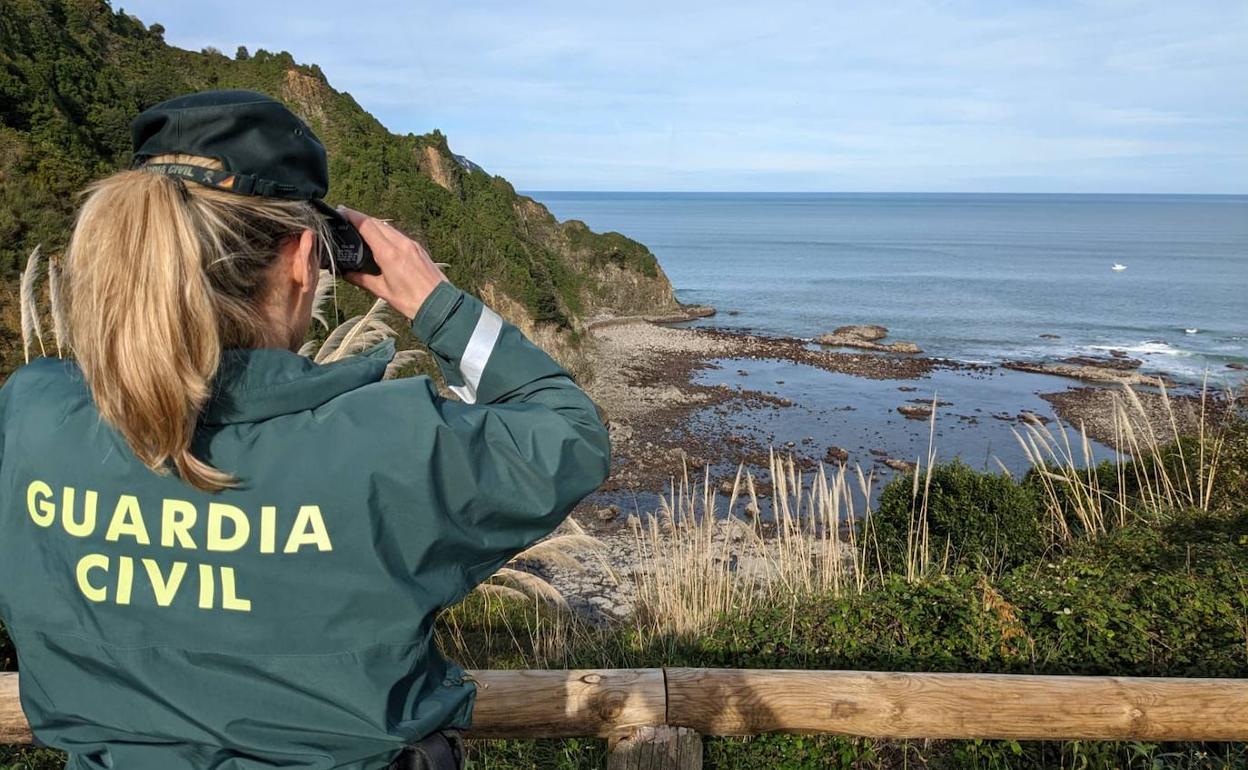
{"x":685,"y":313}
{"x":306,"y":94}
{"x":862,"y":332}
{"x":1100,"y":412}
{"x":620,"y":277}
{"x":915,"y":412}
{"x":836,"y":455}
{"x":1086,"y":372}
{"x":1116,"y":359}
{"x":865,"y":337}
{"x":436,"y":165}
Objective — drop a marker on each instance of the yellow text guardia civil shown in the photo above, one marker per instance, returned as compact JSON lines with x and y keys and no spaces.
{"x":222,"y":528}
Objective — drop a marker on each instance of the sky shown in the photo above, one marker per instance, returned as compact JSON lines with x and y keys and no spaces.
{"x":784,"y":95}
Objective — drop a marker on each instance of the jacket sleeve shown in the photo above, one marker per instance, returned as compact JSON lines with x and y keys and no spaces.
{"x":523,"y":445}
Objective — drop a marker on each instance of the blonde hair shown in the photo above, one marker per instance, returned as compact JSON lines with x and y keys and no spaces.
{"x":163,"y":275}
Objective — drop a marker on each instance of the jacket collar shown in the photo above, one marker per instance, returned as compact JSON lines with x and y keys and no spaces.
{"x":256,"y":384}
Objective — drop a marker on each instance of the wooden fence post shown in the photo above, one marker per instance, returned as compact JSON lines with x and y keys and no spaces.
{"x":658,"y":747}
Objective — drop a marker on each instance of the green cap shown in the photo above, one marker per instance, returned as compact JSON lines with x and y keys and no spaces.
{"x":264,"y":148}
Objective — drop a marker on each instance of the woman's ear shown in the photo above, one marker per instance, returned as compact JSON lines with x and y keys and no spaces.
{"x":296,"y":259}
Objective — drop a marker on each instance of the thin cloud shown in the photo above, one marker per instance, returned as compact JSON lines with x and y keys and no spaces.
{"x":1104,"y":95}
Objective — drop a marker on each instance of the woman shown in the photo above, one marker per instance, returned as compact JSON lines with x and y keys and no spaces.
{"x":215,"y":553}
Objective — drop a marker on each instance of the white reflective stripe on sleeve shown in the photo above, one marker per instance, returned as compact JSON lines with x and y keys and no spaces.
{"x":477,"y":354}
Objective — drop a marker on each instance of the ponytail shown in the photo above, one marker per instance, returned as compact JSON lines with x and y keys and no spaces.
{"x":161,"y":277}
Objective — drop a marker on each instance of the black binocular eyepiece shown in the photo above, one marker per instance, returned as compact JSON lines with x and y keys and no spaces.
{"x":351,"y":253}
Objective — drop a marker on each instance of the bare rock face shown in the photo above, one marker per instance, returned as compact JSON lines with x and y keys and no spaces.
{"x":865,"y":337}
{"x":438,"y":167}
{"x":308,"y":93}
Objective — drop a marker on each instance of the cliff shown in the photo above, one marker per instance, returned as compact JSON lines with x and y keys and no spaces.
{"x":73,"y":73}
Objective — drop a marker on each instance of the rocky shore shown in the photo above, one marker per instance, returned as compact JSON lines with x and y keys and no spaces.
{"x":1102,"y":371}
{"x":1155,"y":419}
{"x":866,"y":337}
{"x":643,"y":382}
{"x":646,"y":382}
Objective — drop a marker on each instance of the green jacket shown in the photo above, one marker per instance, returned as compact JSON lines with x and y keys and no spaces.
{"x":286,"y":623}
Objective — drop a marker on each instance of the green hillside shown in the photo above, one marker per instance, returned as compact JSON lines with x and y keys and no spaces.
{"x":73,"y":73}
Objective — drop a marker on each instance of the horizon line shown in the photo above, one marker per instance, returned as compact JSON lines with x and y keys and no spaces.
{"x":880,"y":192}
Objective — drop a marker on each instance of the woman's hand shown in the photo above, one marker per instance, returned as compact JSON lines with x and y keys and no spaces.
{"x":408,"y":274}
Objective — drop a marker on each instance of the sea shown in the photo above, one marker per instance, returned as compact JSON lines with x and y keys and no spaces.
{"x":980,"y":278}
{"x":970,"y":277}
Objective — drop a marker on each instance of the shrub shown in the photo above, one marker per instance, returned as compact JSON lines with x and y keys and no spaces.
{"x":986,"y":520}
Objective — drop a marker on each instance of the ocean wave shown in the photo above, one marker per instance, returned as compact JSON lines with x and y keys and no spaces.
{"x":1148,"y":348}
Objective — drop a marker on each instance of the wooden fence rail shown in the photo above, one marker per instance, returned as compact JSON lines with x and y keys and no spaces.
{"x":637,"y":707}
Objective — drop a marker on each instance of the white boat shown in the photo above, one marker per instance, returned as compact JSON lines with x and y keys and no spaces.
{"x":1191,"y":331}
{"x":1118,"y":267}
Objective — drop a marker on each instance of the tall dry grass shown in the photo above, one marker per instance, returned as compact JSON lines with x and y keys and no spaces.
{"x":32,"y":327}
{"x":702,"y":564}
{"x":704,"y":558}
{"x":918,"y":531}
{"x":1157,"y":470}
{"x":518,"y":614}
